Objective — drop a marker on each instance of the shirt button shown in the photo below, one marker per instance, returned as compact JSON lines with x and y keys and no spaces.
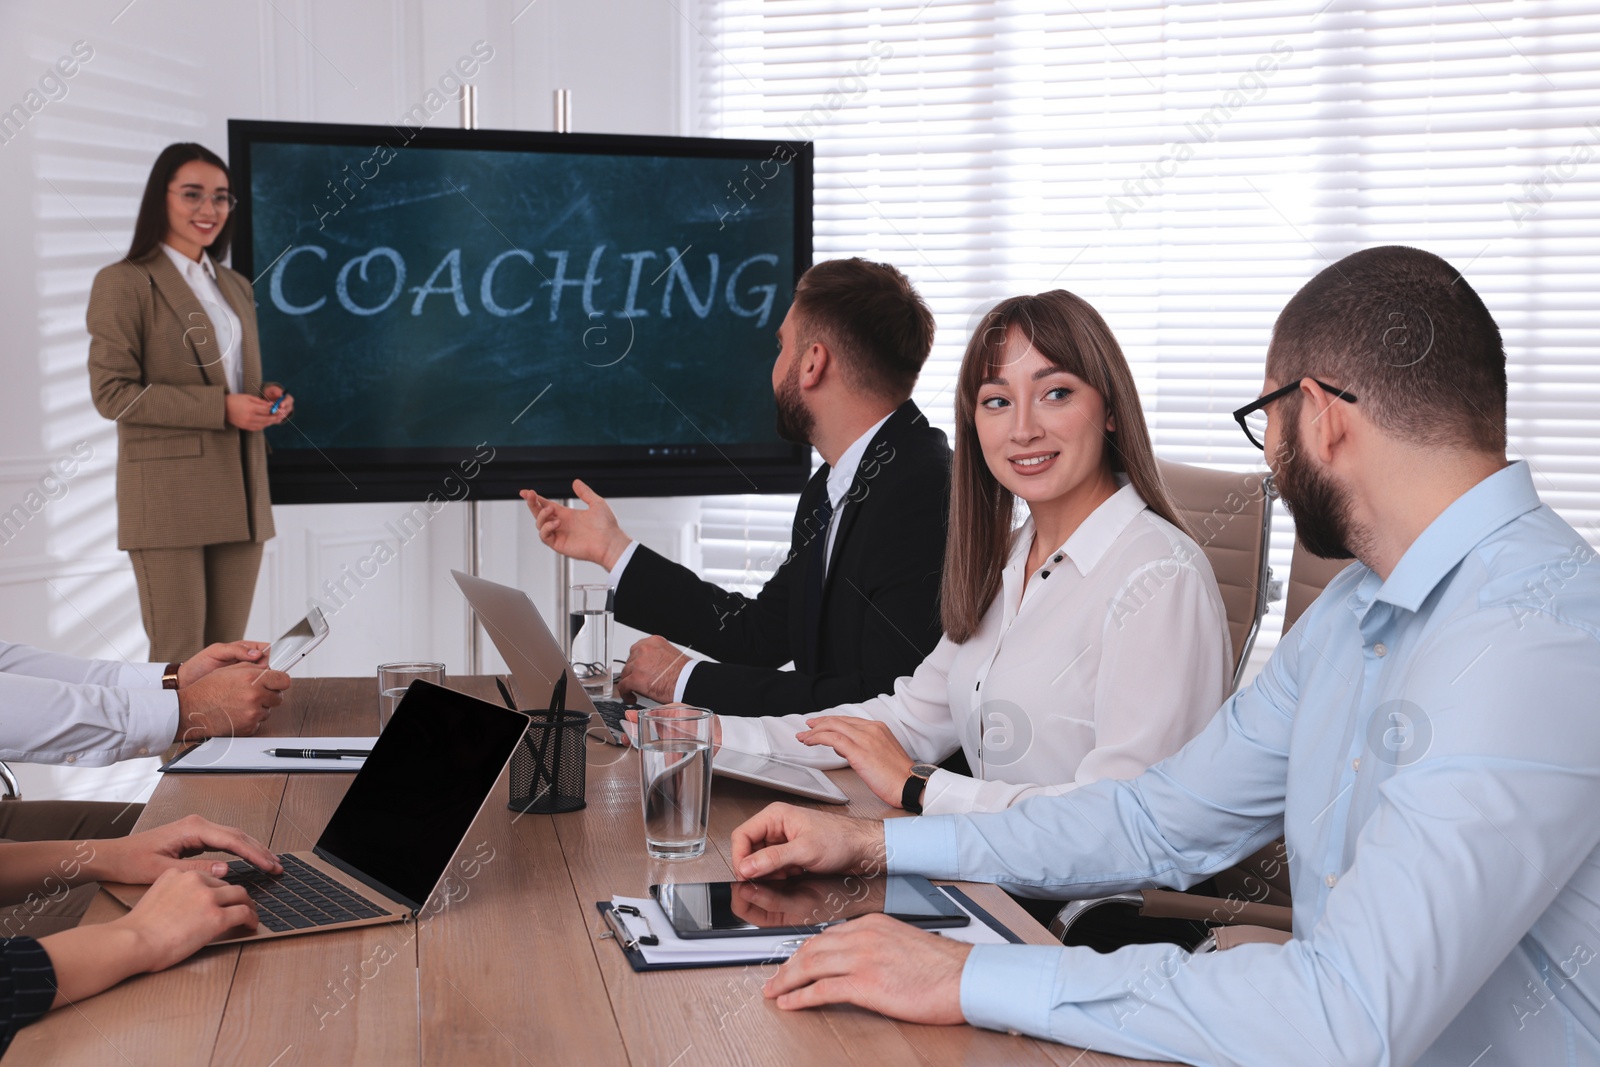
{"x":72,"y":759}
{"x":143,"y":751}
{"x":1057,"y":558}
{"x":1332,"y":880}
{"x":1355,"y":764}
{"x":1380,"y":650}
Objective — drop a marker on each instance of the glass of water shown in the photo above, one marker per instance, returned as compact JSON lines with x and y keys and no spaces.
{"x":675,"y":779}
{"x":589,"y":637}
{"x":395,"y":678}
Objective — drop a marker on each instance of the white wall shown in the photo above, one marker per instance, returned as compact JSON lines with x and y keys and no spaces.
{"x":177,"y":70}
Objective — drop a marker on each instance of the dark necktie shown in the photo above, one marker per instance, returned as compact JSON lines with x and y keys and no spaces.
{"x":816,"y":565}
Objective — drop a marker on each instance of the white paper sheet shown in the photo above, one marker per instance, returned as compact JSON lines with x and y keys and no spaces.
{"x":242,"y":755}
{"x":674,"y":949}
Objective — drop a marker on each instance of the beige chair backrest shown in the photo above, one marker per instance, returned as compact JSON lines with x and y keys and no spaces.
{"x":1308,"y":576}
{"x":1230,"y":515}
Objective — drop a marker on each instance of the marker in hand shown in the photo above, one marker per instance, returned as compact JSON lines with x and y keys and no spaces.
{"x":276,"y":404}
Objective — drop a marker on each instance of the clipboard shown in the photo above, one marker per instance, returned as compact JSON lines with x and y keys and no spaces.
{"x":630,"y":949}
{"x":616,"y":931}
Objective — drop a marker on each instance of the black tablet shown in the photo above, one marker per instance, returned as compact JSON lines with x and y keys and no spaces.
{"x":801,"y":905}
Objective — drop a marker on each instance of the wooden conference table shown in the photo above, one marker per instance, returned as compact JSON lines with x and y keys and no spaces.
{"x":512,"y":970}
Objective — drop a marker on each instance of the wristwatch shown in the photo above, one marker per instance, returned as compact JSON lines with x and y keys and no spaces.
{"x":169,"y":677}
{"x":911,"y":792}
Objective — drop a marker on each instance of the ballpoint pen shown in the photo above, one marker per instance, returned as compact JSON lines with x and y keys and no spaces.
{"x":319,"y":753}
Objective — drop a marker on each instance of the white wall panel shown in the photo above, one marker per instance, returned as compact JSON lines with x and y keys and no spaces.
{"x":69,"y":187}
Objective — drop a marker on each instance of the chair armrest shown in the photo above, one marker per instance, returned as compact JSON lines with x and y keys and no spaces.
{"x":8,"y":783}
{"x":1226,"y":937}
{"x":1073,"y":910}
{"x":1166,"y":904}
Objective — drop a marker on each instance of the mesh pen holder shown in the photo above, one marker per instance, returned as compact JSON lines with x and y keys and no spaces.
{"x":547,"y":767}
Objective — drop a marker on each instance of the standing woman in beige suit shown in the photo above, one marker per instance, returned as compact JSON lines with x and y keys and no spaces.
{"x":174,"y":361}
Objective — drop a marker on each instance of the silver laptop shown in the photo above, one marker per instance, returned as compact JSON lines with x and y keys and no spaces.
{"x":394,"y":834}
{"x":537,"y":663}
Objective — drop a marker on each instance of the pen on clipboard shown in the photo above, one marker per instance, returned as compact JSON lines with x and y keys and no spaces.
{"x":319,"y":753}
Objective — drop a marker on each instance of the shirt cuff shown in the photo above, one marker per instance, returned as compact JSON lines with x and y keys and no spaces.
{"x":614,"y":575}
{"x":925,"y":846}
{"x":683,"y":681}
{"x":1011,"y":987}
{"x":152,"y":722}
{"x":140,"y":675}
{"x":743,"y":734}
{"x":949,"y":794}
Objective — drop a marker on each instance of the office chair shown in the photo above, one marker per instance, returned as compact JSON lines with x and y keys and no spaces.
{"x":1229,"y":514}
{"x":1255,"y":905}
{"x":8,"y":783}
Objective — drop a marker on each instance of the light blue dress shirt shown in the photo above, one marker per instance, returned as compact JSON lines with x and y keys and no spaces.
{"x":1430,"y":747}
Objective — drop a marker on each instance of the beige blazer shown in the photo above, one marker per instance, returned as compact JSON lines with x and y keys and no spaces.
{"x":184,"y":476}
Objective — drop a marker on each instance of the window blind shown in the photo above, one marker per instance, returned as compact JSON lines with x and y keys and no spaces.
{"x":1186,"y":167}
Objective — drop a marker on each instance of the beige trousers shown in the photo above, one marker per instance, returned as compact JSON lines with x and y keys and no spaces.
{"x":192,"y":597}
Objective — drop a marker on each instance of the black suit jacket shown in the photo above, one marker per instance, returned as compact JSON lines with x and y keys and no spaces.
{"x":880,"y":607}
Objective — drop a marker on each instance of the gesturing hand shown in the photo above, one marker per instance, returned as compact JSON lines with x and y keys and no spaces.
{"x":140,"y":859}
{"x":879,"y":963}
{"x":590,"y":534}
{"x":233,"y":701}
{"x":782,"y":840}
{"x":223,"y":654}
{"x":871,"y":748}
{"x":652,"y":669}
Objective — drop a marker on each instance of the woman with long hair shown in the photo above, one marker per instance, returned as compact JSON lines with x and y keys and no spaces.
{"x":1089,"y":641}
{"x":174,"y":361}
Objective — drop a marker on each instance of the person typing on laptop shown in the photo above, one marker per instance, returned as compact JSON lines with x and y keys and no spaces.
{"x":1425,"y":738}
{"x":188,"y":906}
{"x":854,"y":604}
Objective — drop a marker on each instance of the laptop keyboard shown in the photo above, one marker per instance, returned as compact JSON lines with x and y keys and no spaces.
{"x":615,"y":712}
{"x":301,"y":897}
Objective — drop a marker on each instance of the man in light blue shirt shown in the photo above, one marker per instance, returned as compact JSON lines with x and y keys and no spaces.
{"x":1427,"y":738}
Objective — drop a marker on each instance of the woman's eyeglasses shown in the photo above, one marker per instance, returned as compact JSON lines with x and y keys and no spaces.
{"x":1252,"y":418}
{"x":194,"y":198}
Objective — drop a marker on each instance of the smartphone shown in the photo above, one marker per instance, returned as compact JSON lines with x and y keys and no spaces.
{"x":801,"y":905}
{"x":302,"y":637}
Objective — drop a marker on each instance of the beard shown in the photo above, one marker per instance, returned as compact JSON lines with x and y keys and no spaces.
{"x":795,"y":421}
{"x":1320,"y":506}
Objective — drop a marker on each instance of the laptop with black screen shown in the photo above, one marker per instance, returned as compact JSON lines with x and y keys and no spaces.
{"x":393,"y":835}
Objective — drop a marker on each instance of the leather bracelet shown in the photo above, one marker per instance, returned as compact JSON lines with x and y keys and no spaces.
{"x":169,"y":677}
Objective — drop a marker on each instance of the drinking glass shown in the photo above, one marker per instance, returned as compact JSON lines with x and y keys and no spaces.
{"x":675,"y":779}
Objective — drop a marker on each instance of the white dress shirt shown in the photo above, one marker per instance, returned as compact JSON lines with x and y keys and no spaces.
{"x":1429,"y":745}
{"x":840,"y":477}
{"x":202,"y":279}
{"x":1115,"y":654}
{"x":89,"y":712}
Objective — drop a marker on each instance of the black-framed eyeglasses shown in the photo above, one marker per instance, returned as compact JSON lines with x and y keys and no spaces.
{"x":1252,"y":418}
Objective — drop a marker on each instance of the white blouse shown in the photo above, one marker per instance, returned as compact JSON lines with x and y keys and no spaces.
{"x":201,"y":275}
{"x":1112,"y":659}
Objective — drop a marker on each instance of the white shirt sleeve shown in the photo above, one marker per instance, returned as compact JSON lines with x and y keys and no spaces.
{"x":64,"y":709}
{"x":683,"y":675}
{"x":1165,"y":664}
{"x":614,"y":575}
{"x":917,"y":712}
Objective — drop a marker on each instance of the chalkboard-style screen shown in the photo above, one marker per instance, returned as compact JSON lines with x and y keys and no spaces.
{"x":512,"y":310}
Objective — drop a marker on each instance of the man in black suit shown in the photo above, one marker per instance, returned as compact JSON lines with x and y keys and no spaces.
{"x":855,"y":602}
